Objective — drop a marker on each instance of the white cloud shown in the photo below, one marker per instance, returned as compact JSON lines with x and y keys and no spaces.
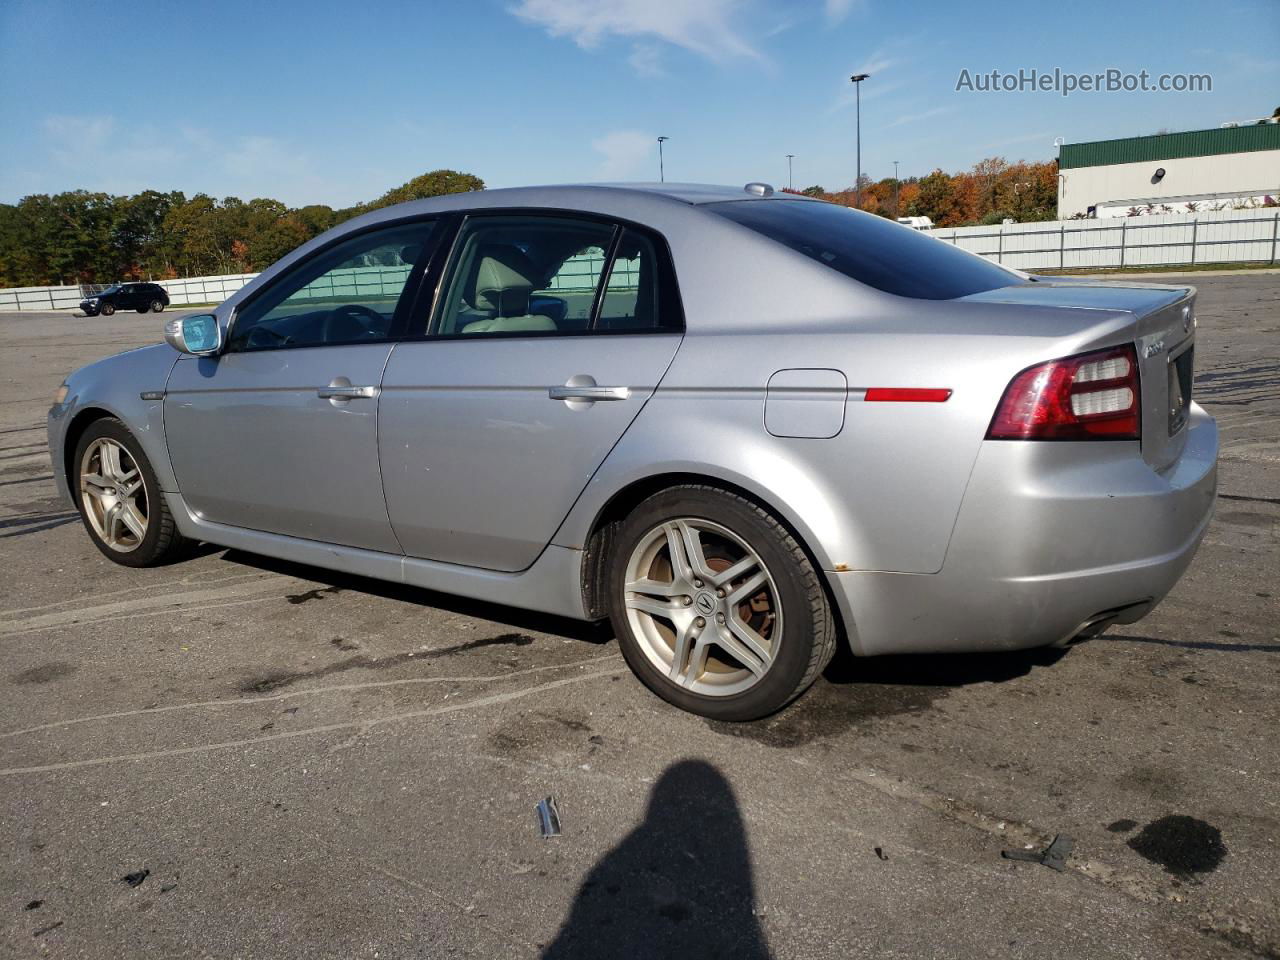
{"x":917,"y":117}
{"x":646,"y":60}
{"x":264,"y":156}
{"x":837,"y":10}
{"x":704,"y":27}
{"x":626,"y":154}
{"x":96,"y":152}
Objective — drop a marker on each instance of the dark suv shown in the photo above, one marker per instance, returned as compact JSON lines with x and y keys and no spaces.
{"x":126,"y":296}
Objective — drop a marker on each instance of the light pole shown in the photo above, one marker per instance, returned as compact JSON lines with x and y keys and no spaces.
{"x":662,"y":174}
{"x":896,"y":183}
{"x":790,"y":185}
{"x":856,"y":80}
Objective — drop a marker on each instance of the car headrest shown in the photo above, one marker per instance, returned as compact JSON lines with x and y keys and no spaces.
{"x":502,"y":281}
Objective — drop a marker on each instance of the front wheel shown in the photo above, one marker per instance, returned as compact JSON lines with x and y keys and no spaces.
{"x":120,"y":500}
{"x":716,"y":606}
{"x":107,"y":309}
{"x":157,"y":306}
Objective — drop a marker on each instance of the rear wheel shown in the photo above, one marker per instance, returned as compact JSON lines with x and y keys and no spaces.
{"x":107,"y":309}
{"x":157,"y":306}
{"x":716,"y":606}
{"x":120,"y":500}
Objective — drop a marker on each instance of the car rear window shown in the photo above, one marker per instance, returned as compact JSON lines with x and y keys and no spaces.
{"x":870,"y":249}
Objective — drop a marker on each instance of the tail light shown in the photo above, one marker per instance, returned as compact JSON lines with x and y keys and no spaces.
{"x":1092,"y":396}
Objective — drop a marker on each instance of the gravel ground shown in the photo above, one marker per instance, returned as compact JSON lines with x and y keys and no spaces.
{"x":240,"y":757}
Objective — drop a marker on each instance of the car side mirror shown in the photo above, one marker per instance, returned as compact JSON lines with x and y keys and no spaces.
{"x":198,"y":334}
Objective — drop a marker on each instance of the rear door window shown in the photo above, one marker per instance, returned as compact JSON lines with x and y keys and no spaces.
{"x":870,"y":249}
{"x":528,"y":276}
{"x":553,"y":275}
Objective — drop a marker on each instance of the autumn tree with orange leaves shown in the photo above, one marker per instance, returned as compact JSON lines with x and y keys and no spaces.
{"x":993,"y":190}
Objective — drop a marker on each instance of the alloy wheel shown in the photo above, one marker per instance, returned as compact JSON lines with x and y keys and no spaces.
{"x":113,"y":495}
{"x":703,"y":607}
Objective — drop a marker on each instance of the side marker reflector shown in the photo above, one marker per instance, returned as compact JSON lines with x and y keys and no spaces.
{"x":907,"y":395}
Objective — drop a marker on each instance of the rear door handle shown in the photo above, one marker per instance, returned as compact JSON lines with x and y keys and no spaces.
{"x":589,"y":393}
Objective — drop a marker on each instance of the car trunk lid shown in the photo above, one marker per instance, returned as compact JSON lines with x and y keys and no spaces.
{"x":1163,"y":334}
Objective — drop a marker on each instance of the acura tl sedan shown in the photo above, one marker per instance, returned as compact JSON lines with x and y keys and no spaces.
{"x":743,"y":426}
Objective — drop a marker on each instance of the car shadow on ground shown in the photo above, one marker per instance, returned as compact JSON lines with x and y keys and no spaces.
{"x":940,"y":669}
{"x":335,"y":580}
{"x":1199,"y":644}
{"x":678,"y":885}
{"x":856,"y":692}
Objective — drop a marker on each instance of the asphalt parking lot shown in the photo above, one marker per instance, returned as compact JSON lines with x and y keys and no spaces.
{"x":239,"y":757}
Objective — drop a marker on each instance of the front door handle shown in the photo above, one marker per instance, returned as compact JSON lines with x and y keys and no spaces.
{"x":340,"y":388}
{"x":589,"y":393}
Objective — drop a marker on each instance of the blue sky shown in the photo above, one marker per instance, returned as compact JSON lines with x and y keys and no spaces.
{"x":335,"y":103}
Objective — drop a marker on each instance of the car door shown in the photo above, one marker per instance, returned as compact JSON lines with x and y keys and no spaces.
{"x":279,"y":432}
{"x":549,"y":335}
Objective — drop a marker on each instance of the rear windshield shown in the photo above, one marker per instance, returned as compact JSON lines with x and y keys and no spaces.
{"x":870,"y":249}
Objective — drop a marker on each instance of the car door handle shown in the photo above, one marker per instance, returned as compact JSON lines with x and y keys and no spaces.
{"x":333,"y":392}
{"x":589,"y":393}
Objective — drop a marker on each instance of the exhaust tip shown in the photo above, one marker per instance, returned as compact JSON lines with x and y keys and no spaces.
{"x":1097,"y":624}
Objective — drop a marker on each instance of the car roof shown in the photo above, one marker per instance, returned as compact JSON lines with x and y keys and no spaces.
{"x":588,"y":195}
{"x":699,"y":192}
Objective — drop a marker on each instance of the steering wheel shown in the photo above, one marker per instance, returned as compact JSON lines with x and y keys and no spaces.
{"x":338,"y":323}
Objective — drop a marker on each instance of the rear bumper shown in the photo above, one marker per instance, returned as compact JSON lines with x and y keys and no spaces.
{"x":1047,"y":541}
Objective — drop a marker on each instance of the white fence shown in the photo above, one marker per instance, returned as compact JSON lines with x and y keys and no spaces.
{"x":1159,"y":240}
{"x":189,"y":290}
{"x":204,"y":289}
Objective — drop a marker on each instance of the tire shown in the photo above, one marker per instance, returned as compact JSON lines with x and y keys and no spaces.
{"x":157,"y":306}
{"x":107,"y":309}
{"x":160,"y":541}
{"x":777,"y":597}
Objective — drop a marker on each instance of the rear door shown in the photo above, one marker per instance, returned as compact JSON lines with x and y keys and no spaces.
{"x":549,"y":336}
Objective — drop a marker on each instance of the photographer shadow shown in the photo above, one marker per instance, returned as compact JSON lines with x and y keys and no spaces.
{"x":678,"y":885}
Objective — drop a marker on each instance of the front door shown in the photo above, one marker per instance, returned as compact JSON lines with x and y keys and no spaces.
{"x":539,"y":356}
{"x":280,"y":432}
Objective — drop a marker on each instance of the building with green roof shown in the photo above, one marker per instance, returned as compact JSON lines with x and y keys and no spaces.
{"x":1218,"y":169}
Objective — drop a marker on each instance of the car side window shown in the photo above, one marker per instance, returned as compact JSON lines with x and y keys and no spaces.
{"x":530,"y":276}
{"x":632,"y":298}
{"x":348,"y":293}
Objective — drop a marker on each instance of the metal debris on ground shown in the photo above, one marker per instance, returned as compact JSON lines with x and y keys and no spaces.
{"x":549,"y":818}
{"x":1054,"y":857}
{"x":135,"y":879}
{"x":880,"y":854}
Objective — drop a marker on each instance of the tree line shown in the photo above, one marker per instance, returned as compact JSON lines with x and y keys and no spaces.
{"x":993,"y":190}
{"x":82,"y":236}
{"x":88,"y":237}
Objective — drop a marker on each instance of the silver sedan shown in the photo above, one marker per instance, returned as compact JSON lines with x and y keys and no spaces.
{"x":745,"y":427}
